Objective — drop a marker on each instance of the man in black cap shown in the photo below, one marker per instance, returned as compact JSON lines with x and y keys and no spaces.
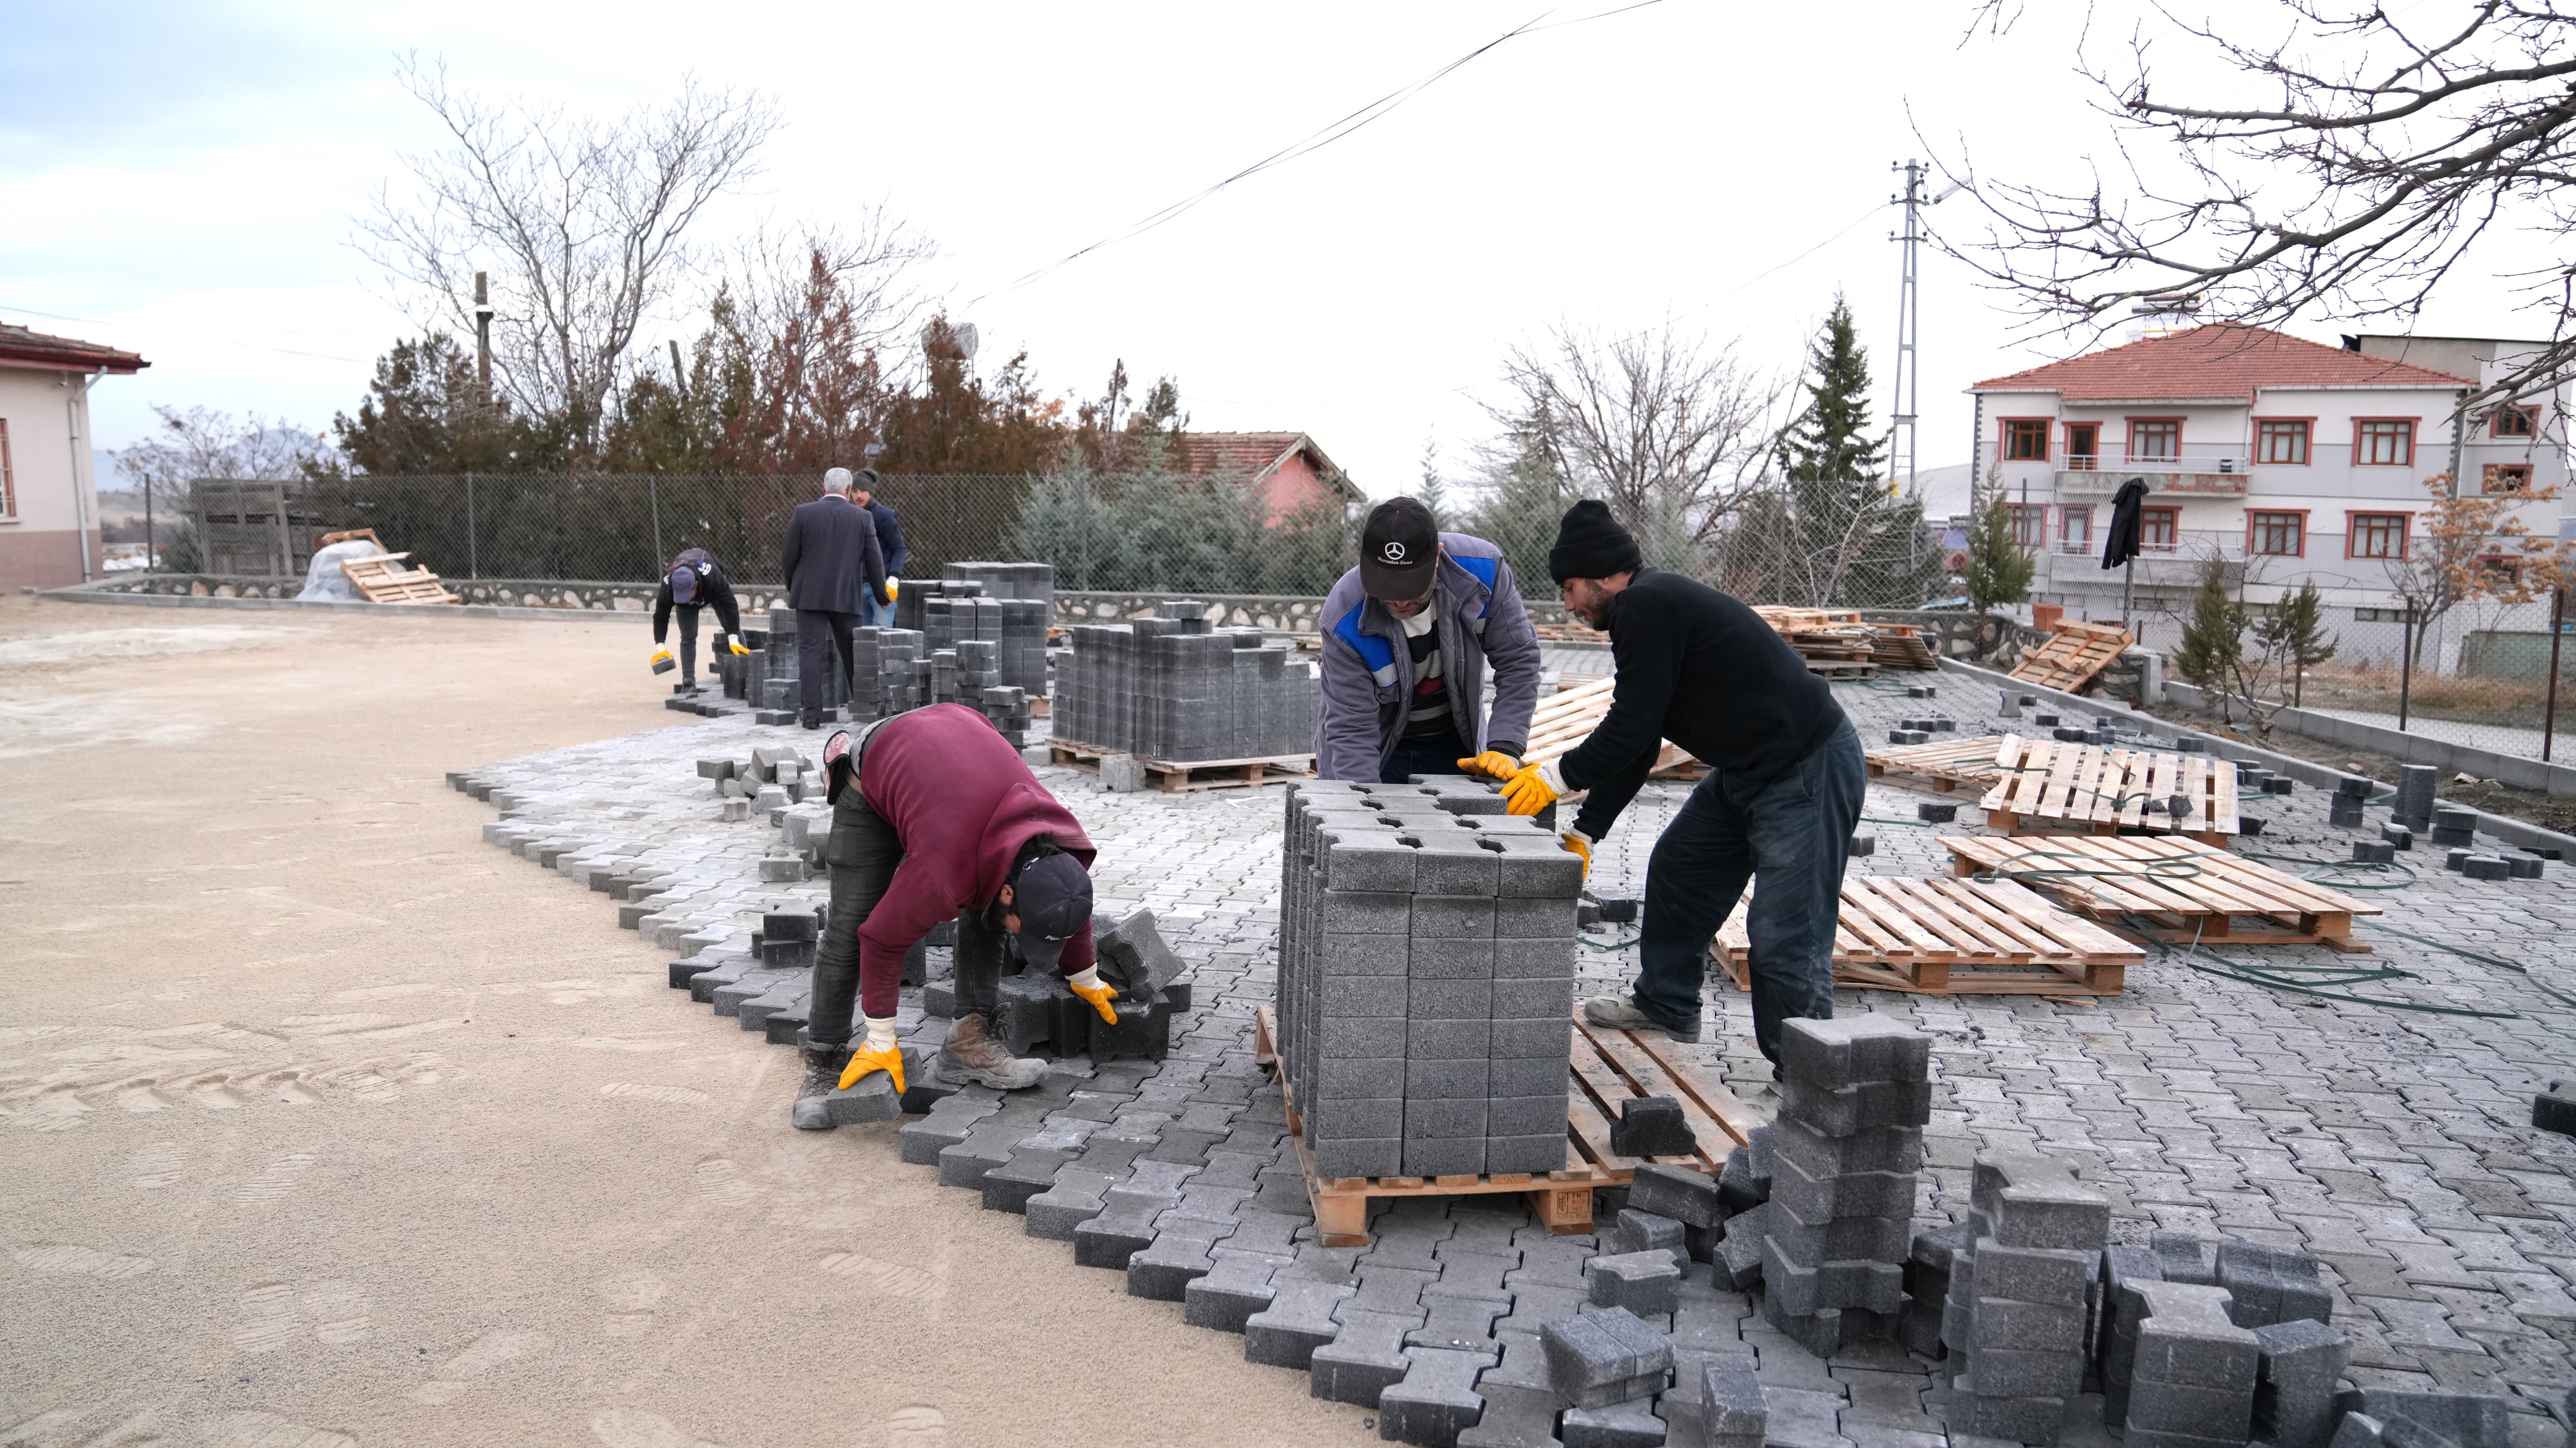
{"x":1407,"y":638}
{"x":695,"y":581}
{"x":935,"y":818}
{"x":1779,"y":802}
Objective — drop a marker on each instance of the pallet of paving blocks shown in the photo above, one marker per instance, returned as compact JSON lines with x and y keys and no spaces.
{"x":2042,"y":781}
{"x":1956,"y":937}
{"x":1426,"y":989}
{"x":2169,"y":889}
{"x":2073,"y":655}
{"x":1943,"y":766}
{"x":1181,"y":696}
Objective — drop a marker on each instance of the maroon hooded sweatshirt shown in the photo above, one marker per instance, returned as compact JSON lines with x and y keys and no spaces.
{"x":963,"y":803}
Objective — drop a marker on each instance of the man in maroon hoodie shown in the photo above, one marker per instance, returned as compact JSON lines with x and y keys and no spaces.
{"x":934,"y":817}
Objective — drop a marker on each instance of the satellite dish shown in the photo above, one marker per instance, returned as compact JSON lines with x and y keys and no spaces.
{"x":965,"y":338}
{"x":949,"y":339}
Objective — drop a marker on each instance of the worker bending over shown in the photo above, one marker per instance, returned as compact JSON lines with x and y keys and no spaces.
{"x":693,"y":581}
{"x":1407,"y":637}
{"x":935,"y":818}
{"x":1779,"y":802}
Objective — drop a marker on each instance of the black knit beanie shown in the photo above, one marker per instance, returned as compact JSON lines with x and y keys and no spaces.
{"x":1591,"y":544}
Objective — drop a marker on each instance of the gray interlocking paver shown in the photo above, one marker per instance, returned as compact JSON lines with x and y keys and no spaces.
{"x":2394,"y":1145}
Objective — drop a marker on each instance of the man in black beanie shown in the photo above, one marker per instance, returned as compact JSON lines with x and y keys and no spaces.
{"x":1780,"y":799}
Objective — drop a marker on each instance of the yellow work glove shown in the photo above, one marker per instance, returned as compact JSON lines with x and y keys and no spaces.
{"x":1088,"y":985}
{"x":662,"y":662}
{"x":1525,"y":793}
{"x":734,"y":646}
{"x":1576,"y":844}
{"x":894,"y":586}
{"x":1493,"y":763}
{"x":879,"y":1052}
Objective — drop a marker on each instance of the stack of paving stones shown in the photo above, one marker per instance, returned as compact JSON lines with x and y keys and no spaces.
{"x":1173,"y":690}
{"x":774,"y":688}
{"x":1845,"y":1155}
{"x":1426,"y":981}
{"x":2343,"y":808}
{"x":2414,"y":807}
{"x":2020,"y":1295}
{"x":882,"y":660}
{"x":2399,"y":1146}
{"x":1026,"y":593}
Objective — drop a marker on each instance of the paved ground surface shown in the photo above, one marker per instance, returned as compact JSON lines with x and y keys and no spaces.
{"x":322,"y":1122}
{"x":2391,"y":1142}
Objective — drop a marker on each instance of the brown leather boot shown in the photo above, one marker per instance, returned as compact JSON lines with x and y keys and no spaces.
{"x":971,"y":1054}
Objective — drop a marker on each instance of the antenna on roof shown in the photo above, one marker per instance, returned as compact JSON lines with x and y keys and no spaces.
{"x":2160,"y":316}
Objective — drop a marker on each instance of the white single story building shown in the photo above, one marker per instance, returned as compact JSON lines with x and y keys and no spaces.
{"x":49,"y":531}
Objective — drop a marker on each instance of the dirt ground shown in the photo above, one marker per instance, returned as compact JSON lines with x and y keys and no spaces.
{"x":322,"y":1122}
{"x":2528,"y":805}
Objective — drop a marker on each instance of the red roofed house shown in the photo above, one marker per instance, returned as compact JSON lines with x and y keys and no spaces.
{"x":1285,"y":468}
{"x":2288,"y":459}
{"x":48,"y":495}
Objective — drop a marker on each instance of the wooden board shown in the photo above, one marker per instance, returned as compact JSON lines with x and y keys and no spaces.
{"x":376,"y":581}
{"x":2101,"y":789}
{"x":1956,"y":937}
{"x":2169,"y":889}
{"x":1174,"y":777}
{"x":1563,"y":720}
{"x":1944,"y":766}
{"x":1603,"y":1069}
{"x":327,"y":539}
{"x":2073,"y":655}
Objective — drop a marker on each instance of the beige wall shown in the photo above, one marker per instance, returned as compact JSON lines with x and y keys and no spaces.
{"x":57,"y":499}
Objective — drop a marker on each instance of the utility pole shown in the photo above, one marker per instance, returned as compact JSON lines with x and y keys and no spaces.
{"x":1900,"y":434}
{"x":483,"y":333}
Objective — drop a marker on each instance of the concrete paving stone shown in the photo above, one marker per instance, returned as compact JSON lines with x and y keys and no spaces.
{"x":1299,"y":1319}
{"x":1436,"y":1400}
{"x":1234,"y":1288}
{"x":1514,"y":1417}
{"x":1628,"y":1424}
{"x":1365,"y":1357}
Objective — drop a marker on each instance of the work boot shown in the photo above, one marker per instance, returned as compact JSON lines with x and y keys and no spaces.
{"x":809,"y":720}
{"x":1620,"y":1013}
{"x":971,"y":1054}
{"x":822,"y":1077}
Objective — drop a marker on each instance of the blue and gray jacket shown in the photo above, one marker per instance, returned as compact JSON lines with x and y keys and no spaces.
{"x":1368,"y":672}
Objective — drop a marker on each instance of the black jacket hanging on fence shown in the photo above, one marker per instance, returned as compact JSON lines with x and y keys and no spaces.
{"x":831,"y":560}
{"x":2122,"y":543}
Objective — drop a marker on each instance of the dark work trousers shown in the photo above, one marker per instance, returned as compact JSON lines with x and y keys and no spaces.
{"x":819,"y":636}
{"x":863,"y":852}
{"x":1791,"y":837}
{"x":1424,"y":756}
{"x":688,"y":619}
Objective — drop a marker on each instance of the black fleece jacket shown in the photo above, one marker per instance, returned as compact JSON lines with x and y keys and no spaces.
{"x":1704,"y":671}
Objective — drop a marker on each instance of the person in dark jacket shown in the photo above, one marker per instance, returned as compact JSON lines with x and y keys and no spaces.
{"x":889,"y":542}
{"x":694,"y":581}
{"x":832,"y":567}
{"x":1779,"y":802}
{"x":935,"y":818}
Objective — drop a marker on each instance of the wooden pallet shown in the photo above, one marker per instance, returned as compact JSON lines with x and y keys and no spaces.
{"x":1956,"y":937}
{"x":327,"y":539}
{"x":1901,"y":646}
{"x":1944,"y":766}
{"x":1605,"y":1068}
{"x":2170,"y":890}
{"x":1179,"y":778}
{"x":376,"y":581}
{"x":2073,"y":655}
{"x":2102,"y":789}
{"x":1563,"y":720}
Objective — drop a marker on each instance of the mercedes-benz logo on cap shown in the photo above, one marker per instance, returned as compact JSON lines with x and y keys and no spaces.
{"x":1393,"y":552}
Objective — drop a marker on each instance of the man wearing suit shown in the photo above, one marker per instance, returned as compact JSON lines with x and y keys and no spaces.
{"x":833,"y":568}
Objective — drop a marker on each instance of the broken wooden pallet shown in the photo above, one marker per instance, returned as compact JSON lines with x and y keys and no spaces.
{"x":1175,"y":777}
{"x":1605,"y":1068}
{"x":2170,"y":890}
{"x":376,"y":581}
{"x":1956,"y":937}
{"x":2042,"y":781}
{"x":2073,"y":655}
{"x":1944,"y":766}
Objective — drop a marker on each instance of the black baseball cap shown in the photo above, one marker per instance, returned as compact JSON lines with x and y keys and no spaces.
{"x":1399,"y":550}
{"x":1052,"y":897}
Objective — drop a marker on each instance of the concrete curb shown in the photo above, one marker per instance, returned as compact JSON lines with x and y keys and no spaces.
{"x":92,"y":594}
{"x":2503,"y":827}
{"x":2557,"y":780}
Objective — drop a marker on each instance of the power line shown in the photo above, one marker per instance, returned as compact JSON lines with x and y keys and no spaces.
{"x":1314,"y":141}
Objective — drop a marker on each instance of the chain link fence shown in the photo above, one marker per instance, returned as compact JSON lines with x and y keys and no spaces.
{"x":1150,"y":531}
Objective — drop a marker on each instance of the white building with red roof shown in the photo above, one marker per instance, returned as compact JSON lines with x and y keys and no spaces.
{"x":48,"y":491}
{"x":2289,"y":460}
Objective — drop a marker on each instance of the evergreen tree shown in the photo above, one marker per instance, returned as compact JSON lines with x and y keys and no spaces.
{"x":424,"y":412}
{"x":1433,"y":494}
{"x":1849,"y":541}
{"x":2213,"y":642}
{"x":1521,"y":499}
{"x":2293,"y":634}
{"x":1998,"y":572}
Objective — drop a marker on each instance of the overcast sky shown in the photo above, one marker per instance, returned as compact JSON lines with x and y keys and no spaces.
{"x":180,"y":180}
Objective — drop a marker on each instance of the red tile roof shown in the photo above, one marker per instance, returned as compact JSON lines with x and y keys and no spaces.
{"x":23,"y":347}
{"x":2224,"y":359}
{"x":1253,"y":456}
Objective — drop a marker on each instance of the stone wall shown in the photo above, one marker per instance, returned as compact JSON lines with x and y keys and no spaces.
{"x":507,"y":592}
{"x":1292,"y":613}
